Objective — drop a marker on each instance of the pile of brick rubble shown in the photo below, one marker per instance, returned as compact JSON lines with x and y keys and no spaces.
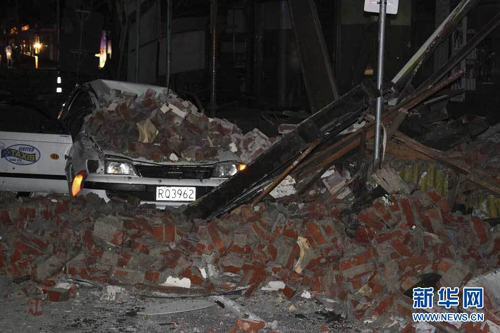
{"x":163,"y":127}
{"x":363,"y":276}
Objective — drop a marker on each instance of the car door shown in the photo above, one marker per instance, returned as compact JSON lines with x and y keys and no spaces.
{"x":32,"y":150}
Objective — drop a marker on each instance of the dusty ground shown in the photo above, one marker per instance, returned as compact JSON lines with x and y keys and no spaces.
{"x":88,"y":313}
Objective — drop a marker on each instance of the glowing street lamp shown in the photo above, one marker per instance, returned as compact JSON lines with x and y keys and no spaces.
{"x":37,"y":47}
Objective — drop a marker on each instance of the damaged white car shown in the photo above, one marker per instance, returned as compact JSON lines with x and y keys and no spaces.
{"x":142,"y":141}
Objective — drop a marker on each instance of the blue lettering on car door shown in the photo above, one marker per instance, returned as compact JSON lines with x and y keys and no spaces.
{"x":21,"y":154}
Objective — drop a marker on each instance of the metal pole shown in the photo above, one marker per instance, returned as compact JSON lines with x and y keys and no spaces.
{"x":137,"y":37}
{"x":168,"y":39}
{"x":282,"y":69}
{"x":212,"y":107}
{"x":380,"y":82}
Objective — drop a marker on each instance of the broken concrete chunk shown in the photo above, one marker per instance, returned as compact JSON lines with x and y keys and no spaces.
{"x":178,"y":112}
{"x":164,"y":108}
{"x":112,"y":106}
{"x":274,"y":286}
{"x":173,"y":157}
{"x":176,"y":282}
{"x":114,"y":293}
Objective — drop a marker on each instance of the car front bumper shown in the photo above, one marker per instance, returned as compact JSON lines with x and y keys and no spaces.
{"x":107,"y":186}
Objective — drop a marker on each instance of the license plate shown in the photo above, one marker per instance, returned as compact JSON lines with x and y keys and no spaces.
{"x":174,"y":193}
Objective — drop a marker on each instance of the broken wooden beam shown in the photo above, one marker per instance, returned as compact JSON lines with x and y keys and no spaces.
{"x":401,"y":152}
{"x":326,"y":123}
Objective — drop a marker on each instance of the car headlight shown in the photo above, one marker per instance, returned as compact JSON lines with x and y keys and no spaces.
{"x":120,"y":168}
{"x":226,"y":170}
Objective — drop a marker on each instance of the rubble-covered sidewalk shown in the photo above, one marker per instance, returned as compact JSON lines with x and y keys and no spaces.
{"x":400,"y":241}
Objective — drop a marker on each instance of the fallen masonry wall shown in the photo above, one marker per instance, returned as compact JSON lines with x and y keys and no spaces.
{"x":397,"y":241}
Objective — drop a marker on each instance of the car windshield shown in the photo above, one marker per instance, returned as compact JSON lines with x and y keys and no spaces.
{"x":76,"y":111}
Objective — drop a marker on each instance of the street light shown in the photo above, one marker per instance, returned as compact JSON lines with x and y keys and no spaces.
{"x":37,"y":47}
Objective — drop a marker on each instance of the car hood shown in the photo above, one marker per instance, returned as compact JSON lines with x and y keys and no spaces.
{"x":92,"y":150}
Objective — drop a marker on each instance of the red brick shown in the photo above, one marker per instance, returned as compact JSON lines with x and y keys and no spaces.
{"x":62,"y":206}
{"x":360,"y":309}
{"x":260,"y":254}
{"x":57,"y":295}
{"x":356,"y":260}
{"x":128,"y":276}
{"x":288,"y":292}
{"x":27,"y":249}
{"x":357,"y":266}
{"x":216,"y":239}
{"x":364,"y":235}
{"x":140,"y":246}
{"x":384,"y":305}
{"x":73,"y":288}
{"x":408,"y":280}
{"x":391,"y":235}
{"x":444,"y":207}
{"x":249,"y":214}
{"x":329,"y":229}
{"x":317,"y":234}
{"x":444,"y":265}
{"x":194,"y":274}
{"x":408,"y":328}
{"x":436,"y":223}
{"x":395,"y":206}
{"x":382,"y":212}
{"x":152,"y":276}
{"x":248,"y":325}
{"x":369,"y":221}
{"x":400,"y":247}
{"x":142,"y":224}
{"x":189,"y":246}
{"x":260,"y":231}
{"x":407,"y":211}
{"x":164,"y":232}
{"x":35,"y":306}
{"x":434,"y":196}
{"x":414,"y":262}
{"x":317,"y":211}
{"x":5,"y":217}
{"x":124,"y":259}
{"x":480,"y":230}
